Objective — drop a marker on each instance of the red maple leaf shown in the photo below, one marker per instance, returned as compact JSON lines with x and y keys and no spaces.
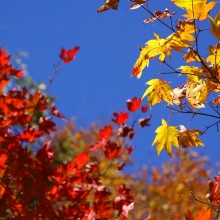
{"x":105,"y":133}
{"x":68,"y":55}
{"x":120,"y":118}
{"x":46,"y":125}
{"x":134,"y":104}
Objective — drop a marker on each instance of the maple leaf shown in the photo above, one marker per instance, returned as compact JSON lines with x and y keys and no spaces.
{"x":215,"y":22}
{"x":188,"y":138}
{"x":120,"y":118}
{"x":153,"y":48}
{"x":134,"y":104}
{"x":186,"y":29}
{"x":159,"y":47}
{"x":191,"y":56}
{"x":200,"y":10}
{"x":167,"y":136}
{"x":177,"y":95}
{"x":194,"y":74}
{"x":214,"y":57}
{"x":187,"y":3}
{"x":159,"y":90}
{"x":105,"y":133}
{"x":36,"y":102}
{"x":46,"y":125}
{"x":109,"y":4}
{"x":204,"y":214}
{"x":30,"y":134}
{"x":79,"y":162}
{"x":68,"y":55}
{"x":196,"y":94}
{"x":137,"y":4}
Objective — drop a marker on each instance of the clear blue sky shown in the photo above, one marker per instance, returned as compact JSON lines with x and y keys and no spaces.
{"x":99,"y":81}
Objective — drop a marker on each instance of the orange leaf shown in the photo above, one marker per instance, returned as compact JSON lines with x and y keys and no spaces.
{"x":204,"y":214}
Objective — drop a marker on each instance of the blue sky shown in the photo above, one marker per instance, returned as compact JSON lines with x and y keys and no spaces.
{"x":99,"y":81}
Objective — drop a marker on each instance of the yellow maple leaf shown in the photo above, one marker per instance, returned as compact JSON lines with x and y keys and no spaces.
{"x":159,"y":47}
{"x":187,"y":3}
{"x":191,"y":56}
{"x":194,"y":74}
{"x":215,"y":25}
{"x":159,"y":90}
{"x":214,"y":57}
{"x":200,"y":11}
{"x":196,"y":94}
{"x":186,"y":29}
{"x":188,"y":138}
{"x":167,"y":136}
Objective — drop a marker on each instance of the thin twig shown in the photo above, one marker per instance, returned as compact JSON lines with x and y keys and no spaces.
{"x":202,"y":202}
{"x":152,"y":14}
{"x":207,"y":127}
{"x":192,"y":112}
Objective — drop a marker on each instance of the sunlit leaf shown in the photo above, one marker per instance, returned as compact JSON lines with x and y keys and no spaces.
{"x":159,"y":90}
{"x":215,"y":22}
{"x":196,"y":94}
{"x":200,"y":11}
{"x":167,"y":136}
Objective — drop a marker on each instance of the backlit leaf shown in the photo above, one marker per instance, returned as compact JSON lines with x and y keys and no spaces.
{"x":215,"y":22}
{"x":188,"y":138}
{"x":167,"y":136}
{"x":120,"y":118}
{"x":200,"y":11}
{"x":196,"y":94}
{"x":193,"y":73}
{"x":187,"y":3}
{"x":134,"y":104}
{"x":160,"y":47}
{"x":204,"y":214}
{"x":109,"y":4}
{"x":68,"y":55}
{"x":159,"y":90}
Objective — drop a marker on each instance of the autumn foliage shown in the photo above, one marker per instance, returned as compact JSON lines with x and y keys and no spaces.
{"x":77,"y":174}
{"x":35,"y":184}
